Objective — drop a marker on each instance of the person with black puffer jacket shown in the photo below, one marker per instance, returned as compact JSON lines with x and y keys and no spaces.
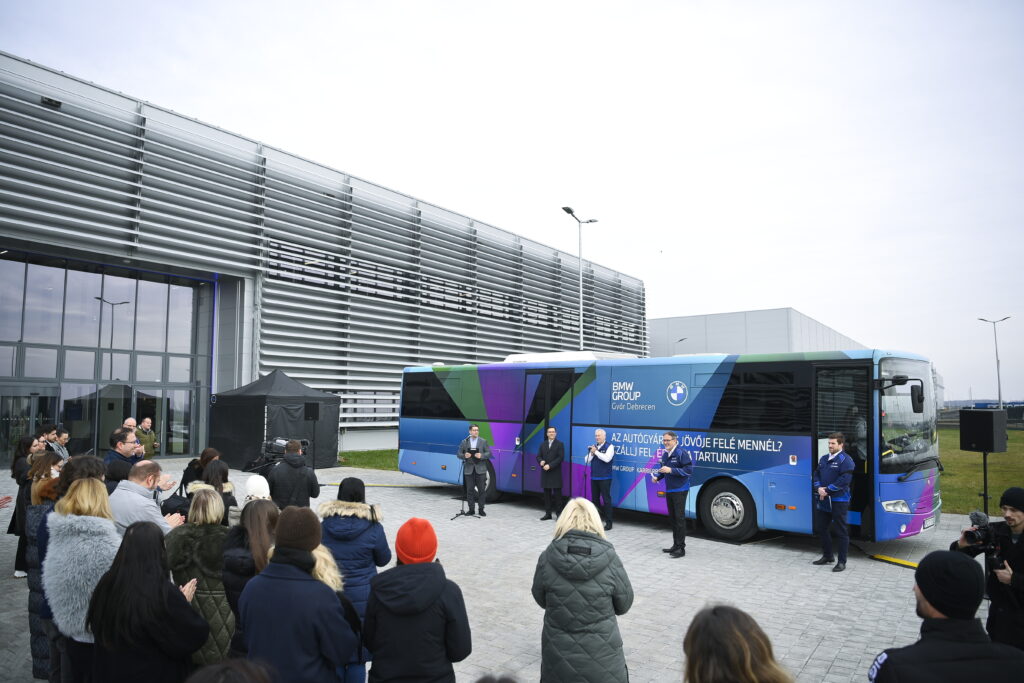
{"x":246,"y":549}
{"x":292,"y":481}
{"x":416,"y":623}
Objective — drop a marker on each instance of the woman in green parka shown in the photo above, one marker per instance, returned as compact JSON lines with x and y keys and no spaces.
{"x":581,"y":584}
{"x":196,"y":551}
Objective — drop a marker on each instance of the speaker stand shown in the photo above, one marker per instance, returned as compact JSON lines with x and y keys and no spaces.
{"x":984,"y":478}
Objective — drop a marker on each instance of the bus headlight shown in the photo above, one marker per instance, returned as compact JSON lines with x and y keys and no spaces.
{"x":896,"y":506}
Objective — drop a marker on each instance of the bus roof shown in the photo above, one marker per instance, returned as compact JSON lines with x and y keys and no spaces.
{"x":557,"y":360}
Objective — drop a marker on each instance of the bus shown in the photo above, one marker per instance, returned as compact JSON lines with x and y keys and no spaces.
{"x":754,"y":424}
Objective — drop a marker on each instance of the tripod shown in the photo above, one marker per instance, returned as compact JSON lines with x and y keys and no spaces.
{"x":465,"y":492}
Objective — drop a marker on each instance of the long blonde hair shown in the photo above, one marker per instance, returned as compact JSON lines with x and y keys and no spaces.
{"x":326,"y":569}
{"x":579,"y":514}
{"x":87,"y":498}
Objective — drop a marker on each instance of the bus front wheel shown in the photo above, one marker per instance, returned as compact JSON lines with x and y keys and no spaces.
{"x":727,"y":511}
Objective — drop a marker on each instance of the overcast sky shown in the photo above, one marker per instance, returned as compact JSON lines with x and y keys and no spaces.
{"x":862,"y":162}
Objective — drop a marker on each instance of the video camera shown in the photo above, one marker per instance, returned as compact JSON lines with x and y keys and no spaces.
{"x":271,"y":453}
{"x":983,"y":536}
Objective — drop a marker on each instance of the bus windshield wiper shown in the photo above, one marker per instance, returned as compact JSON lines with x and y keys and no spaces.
{"x":917,"y":466}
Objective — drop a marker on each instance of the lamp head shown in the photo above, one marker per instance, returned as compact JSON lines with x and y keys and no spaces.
{"x":568,"y":210}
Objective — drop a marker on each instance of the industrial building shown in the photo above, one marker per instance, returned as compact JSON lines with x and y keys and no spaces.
{"x":775,"y":330}
{"x":149,"y":260}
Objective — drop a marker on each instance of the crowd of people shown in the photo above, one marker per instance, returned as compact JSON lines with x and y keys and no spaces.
{"x":142,"y":581}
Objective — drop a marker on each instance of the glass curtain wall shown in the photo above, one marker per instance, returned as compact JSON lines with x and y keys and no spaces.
{"x":85,"y":346}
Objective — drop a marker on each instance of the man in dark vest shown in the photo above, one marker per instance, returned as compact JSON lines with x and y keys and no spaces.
{"x":474,"y":452}
{"x":676,"y":469}
{"x":832,"y":497}
{"x":550,"y":457}
{"x":599,"y":457}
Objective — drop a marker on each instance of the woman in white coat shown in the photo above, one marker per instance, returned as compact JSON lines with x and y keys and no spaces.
{"x":82,"y":546}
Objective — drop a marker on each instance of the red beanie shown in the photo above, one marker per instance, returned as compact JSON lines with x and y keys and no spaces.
{"x":416,"y":542}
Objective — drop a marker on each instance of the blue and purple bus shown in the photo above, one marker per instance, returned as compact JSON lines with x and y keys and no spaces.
{"x":755,"y":426}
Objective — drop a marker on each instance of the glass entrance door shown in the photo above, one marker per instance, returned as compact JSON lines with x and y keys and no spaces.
{"x":23,"y":410}
{"x":842,"y":395}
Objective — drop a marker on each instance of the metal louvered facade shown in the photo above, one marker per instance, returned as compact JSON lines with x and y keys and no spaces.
{"x":339,"y":282}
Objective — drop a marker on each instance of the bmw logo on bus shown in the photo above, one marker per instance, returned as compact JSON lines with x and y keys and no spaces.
{"x":677,"y":393}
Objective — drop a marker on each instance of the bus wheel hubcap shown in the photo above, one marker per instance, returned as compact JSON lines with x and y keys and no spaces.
{"x":727,"y":510}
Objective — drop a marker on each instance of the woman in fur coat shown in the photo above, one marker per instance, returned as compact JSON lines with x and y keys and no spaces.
{"x":82,"y":544}
{"x":353,"y":532}
{"x":195,"y":550}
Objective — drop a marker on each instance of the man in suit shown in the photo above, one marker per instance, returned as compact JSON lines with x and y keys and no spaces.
{"x":550,"y":457}
{"x":475,"y":453}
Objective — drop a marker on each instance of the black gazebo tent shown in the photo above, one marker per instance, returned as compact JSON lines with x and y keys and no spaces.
{"x":274,"y":406}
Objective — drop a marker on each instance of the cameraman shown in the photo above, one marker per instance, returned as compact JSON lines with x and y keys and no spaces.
{"x":1004,"y":565}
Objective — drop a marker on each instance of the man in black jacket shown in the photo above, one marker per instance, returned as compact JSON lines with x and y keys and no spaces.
{"x":1005,"y":569}
{"x":416,"y":623}
{"x":953,"y":646}
{"x":292,"y":481}
{"x":549,"y":457}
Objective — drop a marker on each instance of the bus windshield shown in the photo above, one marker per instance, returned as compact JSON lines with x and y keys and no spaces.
{"x":909,"y":439}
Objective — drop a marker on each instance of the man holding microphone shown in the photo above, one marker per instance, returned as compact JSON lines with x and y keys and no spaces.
{"x":676,"y":469}
{"x":474,"y":451}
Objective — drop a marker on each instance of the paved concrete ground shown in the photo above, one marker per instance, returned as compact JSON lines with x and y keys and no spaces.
{"x":824,"y":626}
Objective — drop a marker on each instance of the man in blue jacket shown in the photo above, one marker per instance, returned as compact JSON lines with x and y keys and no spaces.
{"x":832,"y":491}
{"x":123,"y":443}
{"x":676,"y":469}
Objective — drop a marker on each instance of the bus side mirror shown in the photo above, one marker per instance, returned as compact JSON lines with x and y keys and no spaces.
{"x":917,"y":398}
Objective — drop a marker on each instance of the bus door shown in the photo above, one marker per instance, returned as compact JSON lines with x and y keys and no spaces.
{"x":842,"y":397}
{"x":547,"y":402}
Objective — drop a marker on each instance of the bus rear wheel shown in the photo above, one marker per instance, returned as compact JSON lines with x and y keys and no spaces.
{"x":491,"y":492}
{"x":727,"y":511}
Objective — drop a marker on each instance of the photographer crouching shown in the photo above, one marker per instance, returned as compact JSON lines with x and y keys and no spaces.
{"x":1004,"y":566}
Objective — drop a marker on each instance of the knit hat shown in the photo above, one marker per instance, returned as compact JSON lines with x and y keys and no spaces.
{"x":416,"y":542}
{"x":1014,"y":497}
{"x":352,"y":490}
{"x":297,"y":528}
{"x":256,"y":487}
{"x":952,"y":582}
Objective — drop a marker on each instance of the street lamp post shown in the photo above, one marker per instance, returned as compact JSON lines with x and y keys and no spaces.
{"x":112,"y":304}
{"x":995,"y":337}
{"x":568,"y":210}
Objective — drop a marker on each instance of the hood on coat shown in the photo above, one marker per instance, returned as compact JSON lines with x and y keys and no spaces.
{"x":342,"y":508}
{"x":197,"y":485}
{"x":46,"y":489}
{"x":579,"y":555}
{"x":237,"y":555}
{"x":238,"y":537}
{"x":65,"y":526}
{"x":409,"y":588}
{"x":295,"y":459}
{"x":197,"y":546}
